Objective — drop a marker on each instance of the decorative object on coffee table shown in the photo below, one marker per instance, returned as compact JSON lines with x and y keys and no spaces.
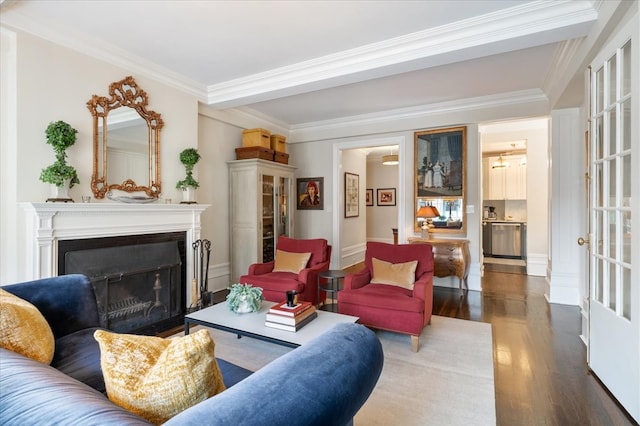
{"x":62,"y":176}
{"x":244,"y":298}
{"x":188,"y":157}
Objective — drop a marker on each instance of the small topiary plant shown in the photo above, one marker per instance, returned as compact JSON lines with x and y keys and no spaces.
{"x":189,"y":157}
{"x":60,"y":136}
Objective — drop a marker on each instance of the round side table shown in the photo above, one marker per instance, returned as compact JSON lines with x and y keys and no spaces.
{"x":335,"y":281}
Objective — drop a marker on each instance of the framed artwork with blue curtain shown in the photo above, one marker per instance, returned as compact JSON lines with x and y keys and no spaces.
{"x":439,"y":176}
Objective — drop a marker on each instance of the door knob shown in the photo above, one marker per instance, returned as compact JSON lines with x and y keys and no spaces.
{"x":582,"y":241}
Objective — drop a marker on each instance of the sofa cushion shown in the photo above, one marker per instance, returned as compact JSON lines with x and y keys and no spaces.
{"x":32,"y":393}
{"x":158,"y":378}
{"x":290,"y":262}
{"x":24,"y":330}
{"x":398,"y":274}
{"x":317,"y":247}
{"x":78,"y":355}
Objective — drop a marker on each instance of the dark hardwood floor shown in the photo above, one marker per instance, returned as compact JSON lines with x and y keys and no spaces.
{"x":540,"y":369}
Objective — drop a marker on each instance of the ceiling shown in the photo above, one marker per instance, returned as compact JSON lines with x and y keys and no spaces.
{"x":302,"y":62}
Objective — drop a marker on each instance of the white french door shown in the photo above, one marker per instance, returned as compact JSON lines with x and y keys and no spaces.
{"x":614,"y":303}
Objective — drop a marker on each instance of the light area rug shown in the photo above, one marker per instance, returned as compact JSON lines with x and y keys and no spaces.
{"x":449,"y":381}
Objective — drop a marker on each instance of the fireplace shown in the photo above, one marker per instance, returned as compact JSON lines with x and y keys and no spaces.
{"x":54,"y":229}
{"x":139,"y":280}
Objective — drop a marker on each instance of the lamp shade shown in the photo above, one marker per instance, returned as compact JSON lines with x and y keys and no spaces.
{"x":390,"y":160}
{"x":428,"y":212}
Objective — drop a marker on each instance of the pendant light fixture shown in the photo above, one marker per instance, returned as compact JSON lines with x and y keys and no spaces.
{"x":501,"y":163}
{"x":390,"y":160}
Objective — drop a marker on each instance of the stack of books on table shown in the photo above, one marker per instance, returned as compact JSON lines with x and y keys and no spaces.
{"x":290,"y":318}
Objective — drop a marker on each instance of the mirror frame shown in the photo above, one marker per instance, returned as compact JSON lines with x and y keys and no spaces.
{"x":461,"y":194}
{"x":124,"y":93}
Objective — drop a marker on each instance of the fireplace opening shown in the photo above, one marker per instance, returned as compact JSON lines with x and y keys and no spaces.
{"x":139,"y":281}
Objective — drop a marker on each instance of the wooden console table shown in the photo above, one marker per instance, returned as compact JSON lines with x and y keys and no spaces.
{"x":451,"y":257}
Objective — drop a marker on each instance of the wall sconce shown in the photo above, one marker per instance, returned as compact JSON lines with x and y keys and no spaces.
{"x":427,"y":213}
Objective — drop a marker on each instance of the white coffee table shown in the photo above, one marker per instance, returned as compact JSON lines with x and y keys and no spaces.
{"x":252,"y":325}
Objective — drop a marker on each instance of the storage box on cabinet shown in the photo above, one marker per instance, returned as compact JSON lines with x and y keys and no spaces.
{"x":281,"y":157}
{"x":254,"y":152}
{"x":256,"y":137}
{"x":279,"y":143}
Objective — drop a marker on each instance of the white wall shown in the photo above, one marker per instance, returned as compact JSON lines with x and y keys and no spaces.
{"x":380,"y":219}
{"x":54,"y":83}
{"x":353,"y":230}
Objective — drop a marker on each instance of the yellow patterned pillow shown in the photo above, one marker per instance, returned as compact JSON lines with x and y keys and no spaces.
{"x":290,"y":262}
{"x":158,"y":378}
{"x":398,"y":274}
{"x":24,"y":330}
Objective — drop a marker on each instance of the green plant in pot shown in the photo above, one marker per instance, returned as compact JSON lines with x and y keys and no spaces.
{"x":188,"y":157}
{"x":60,"y":136}
{"x":244,"y":298}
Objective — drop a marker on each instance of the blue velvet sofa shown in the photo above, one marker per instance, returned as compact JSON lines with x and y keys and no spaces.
{"x":338,"y":371}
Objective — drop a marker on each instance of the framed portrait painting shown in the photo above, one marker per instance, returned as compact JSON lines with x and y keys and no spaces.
{"x":386,"y":196}
{"x":351,"y":196}
{"x":310,"y":193}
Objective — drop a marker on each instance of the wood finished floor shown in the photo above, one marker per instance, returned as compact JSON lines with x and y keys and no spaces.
{"x":540,"y":371}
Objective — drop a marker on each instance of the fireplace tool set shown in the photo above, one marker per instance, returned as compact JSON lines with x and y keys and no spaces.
{"x":199,"y":283}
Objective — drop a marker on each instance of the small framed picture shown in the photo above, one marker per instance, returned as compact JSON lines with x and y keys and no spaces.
{"x":369,"y":197}
{"x":351,"y":196}
{"x":386,"y":196}
{"x":310,"y":193}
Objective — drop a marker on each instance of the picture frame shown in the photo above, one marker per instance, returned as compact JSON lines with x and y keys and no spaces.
{"x":351,"y":195}
{"x":386,"y":196}
{"x":310,"y":193}
{"x":369,"y":197}
{"x":440,"y":176}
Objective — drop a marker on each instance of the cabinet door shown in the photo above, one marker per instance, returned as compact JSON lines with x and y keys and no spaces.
{"x":268,"y":215}
{"x":516,"y":179}
{"x":283,"y":205}
{"x":496,"y":177}
{"x":486,"y":179}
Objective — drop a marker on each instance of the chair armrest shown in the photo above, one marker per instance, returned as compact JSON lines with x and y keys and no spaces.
{"x":423,"y":286}
{"x":357,"y":280}
{"x":423,"y":290}
{"x":260,"y":268}
{"x":306,"y":394}
{"x":310,"y":275}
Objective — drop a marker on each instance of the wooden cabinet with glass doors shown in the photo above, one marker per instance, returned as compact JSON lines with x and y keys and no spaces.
{"x":262,"y":198}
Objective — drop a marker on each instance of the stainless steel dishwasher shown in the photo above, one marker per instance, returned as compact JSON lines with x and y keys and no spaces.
{"x":506,"y":239}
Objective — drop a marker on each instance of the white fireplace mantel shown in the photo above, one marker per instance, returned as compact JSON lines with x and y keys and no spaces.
{"x":48,"y":223}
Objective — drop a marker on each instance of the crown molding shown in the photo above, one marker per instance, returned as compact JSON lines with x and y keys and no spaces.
{"x":103,"y":51}
{"x":514,"y":23}
{"x":457,"y":106}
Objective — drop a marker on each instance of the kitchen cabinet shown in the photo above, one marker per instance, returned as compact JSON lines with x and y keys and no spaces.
{"x":262,"y":196}
{"x":505,"y":183}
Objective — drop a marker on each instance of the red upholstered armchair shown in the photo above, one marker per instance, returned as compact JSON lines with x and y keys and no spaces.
{"x":275,"y":284}
{"x":391,"y":306}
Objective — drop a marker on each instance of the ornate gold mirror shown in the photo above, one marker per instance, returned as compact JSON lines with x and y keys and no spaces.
{"x":439,"y":179}
{"x":126,"y":141}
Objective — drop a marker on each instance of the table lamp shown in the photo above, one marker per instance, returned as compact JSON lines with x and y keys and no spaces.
{"x":427,"y":213}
